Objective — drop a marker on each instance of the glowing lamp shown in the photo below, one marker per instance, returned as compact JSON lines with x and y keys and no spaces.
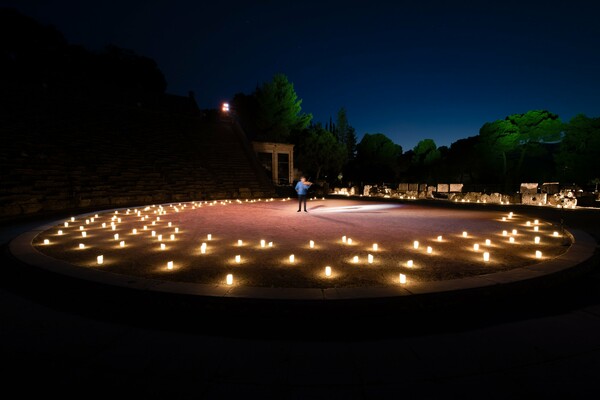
{"x":402,"y":279}
{"x":416,"y":244}
{"x":153,"y":233}
{"x":503,"y":218}
{"x":488,"y":242}
{"x":72,"y":219}
{"x":536,"y":240}
{"x":292,"y":258}
{"x":81,"y":228}
{"x":476,"y":247}
{"x":240,"y":243}
{"x":229,"y":279}
{"x":60,"y":232}
{"x":465,"y":234}
{"x":409,"y":263}
{"x":66,"y":224}
{"x":83,"y":233}
{"x":349,"y":241}
{"x":100,"y":260}
{"x":262,"y":243}
{"x":504,"y":233}
{"x":355,"y":260}
{"x":328,"y":271}
{"x":96,"y":216}
{"x":46,"y":241}
{"x":536,"y":228}
{"x":153,"y":222}
{"x":370,"y":258}
{"x":429,"y":250}
{"x":170,"y":265}
{"x":202,"y":249}
{"x":238,"y":259}
{"x":119,"y":220}
{"x":375,"y":247}
{"x":176,"y":230}
{"x":311,"y":244}
{"x":163,"y":246}
{"x":270,"y":244}
{"x":510,"y":215}
{"x":116,"y":236}
{"x":172,"y":236}
{"x":538,"y":254}
{"x":514,"y":231}
{"x":528,"y":223}
{"x":81,"y":246}
{"x":536,"y":222}
{"x":555,"y":234}
{"x":439,"y":238}
{"x":122,"y":243}
{"x":159,"y":237}
{"x":511,"y":239}
{"x":486,"y":256}
{"x":169,"y":224}
{"x":104,"y":224}
{"x":209,"y":237}
{"x":87,"y":221}
{"x":344,"y":239}
{"x":114,"y":228}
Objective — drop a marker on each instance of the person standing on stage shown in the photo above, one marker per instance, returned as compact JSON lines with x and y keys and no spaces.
{"x":302,"y":189}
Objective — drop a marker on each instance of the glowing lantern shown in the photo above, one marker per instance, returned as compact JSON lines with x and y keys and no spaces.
{"x":536,"y":240}
{"x":81,"y":246}
{"x":172,"y":236}
{"x":476,"y":247}
{"x":416,"y":244}
{"x":114,"y":228}
{"x":349,"y":241}
{"x":429,"y":250}
{"x":122,"y":243}
{"x":528,"y":223}
{"x":375,"y":247}
{"x":503,"y":218}
{"x":72,"y":219}
{"x":439,"y":238}
{"x":555,"y":234}
{"x":104,"y":224}
{"x":87,"y":221}
{"x":514,"y":232}
{"x":504,"y":233}
{"x":100,"y":259}
{"x":510,"y":215}
{"x":536,"y":222}
{"x":134,"y":231}
{"x":170,"y":265}
{"x":159,"y":237}
{"x":60,"y":232}
{"x":538,"y":254}
{"x":153,"y":233}
{"x":262,"y":243}
{"x":292,"y":258}
{"x":486,"y":256}
{"x":465,"y":234}
{"x":355,"y":260}
{"x":240,"y":243}
{"x":488,"y":242}
{"x":46,"y":241}
{"x":409,"y":263}
{"x":311,"y":244}
{"x":81,"y":228}
{"x":511,"y":239}
{"x":176,"y":230}
{"x":169,"y":224}
{"x":229,"y":279}
{"x":344,"y":239}
{"x":328,"y":271}
{"x":119,"y":220}
{"x":116,"y":236}
{"x":209,"y":237}
{"x":270,"y":244}
{"x":83,"y":233}
{"x":536,"y":228}
{"x":203,"y":249}
{"x":163,"y":246}
{"x":238,"y":259}
{"x":402,"y":279}
{"x":370,"y":258}
{"x":66,"y":224}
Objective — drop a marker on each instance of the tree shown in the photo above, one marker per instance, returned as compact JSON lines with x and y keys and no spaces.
{"x":345,"y":133}
{"x":425,"y":156}
{"x":319,"y":151}
{"x":578,"y":157}
{"x":279,"y":111}
{"x":377,"y":158}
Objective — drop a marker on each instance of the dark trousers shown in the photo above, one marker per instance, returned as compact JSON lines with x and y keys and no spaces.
{"x":301,"y":199}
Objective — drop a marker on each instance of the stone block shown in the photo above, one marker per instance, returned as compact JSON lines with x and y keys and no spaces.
{"x":403,"y":187}
{"x":456,"y":187}
{"x":413,"y":187}
{"x":528,"y":188}
{"x":422,"y":187}
{"x":534,"y":198}
{"x":443,"y":188}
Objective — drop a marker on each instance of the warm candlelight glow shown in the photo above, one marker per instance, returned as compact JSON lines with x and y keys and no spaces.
{"x":439,"y":238}
{"x":510,"y":215}
{"x":292,"y":258}
{"x":536,"y":222}
{"x":328,"y":271}
{"x":504,"y":233}
{"x":536,"y":228}
{"x":81,"y":246}
{"x":528,"y":223}
{"x":209,"y":237}
{"x":370,"y":258}
{"x":122,"y":243}
{"x":538,"y":254}
{"x":238,"y":259}
{"x":169,"y":224}
{"x":555,"y":234}
{"x":476,"y":247}
{"x":375,"y":247}
{"x":465,"y":234}
{"x":116,"y":236}
{"x":536,"y":240}
{"x":172,"y":236}
{"x":511,"y":239}
{"x":409,"y":263}
{"x":229,"y":279}
{"x":402,"y":279}
{"x":429,"y":250}
{"x":514,"y":232}
{"x":83,"y":233}
{"x":486,"y":256}
{"x":488,"y":242}
{"x":153,"y":233}
{"x":87,"y":221}
{"x":134,"y":231}
{"x":240,"y":243}
{"x":60,"y":232}
{"x":159,"y":238}
{"x":114,"y":228}
{"x":104,"y":224}
{"x":355,"y":260}
{"x":66,"y":224}
{"x":270,"y":244}
{"x":262,"y":243}
{"x":170,"y":265}
{"x":416,"y":244}
{"x":81,"y":228}
{"x":349,"y":241}
{"x":311,"y":244}
{"x":100,"y":259}
{"x":176,"y":230}
{"x":503,"y":218}
{"x":344,"y":239}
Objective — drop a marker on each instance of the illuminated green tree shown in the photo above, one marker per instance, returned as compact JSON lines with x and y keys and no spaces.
{"x":279,"y":112}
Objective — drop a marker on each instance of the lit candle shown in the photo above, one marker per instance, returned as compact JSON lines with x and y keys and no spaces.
{"x":229,"y":279}
{"x":503,"y":218}
{"x":153,"y":222}
{"x":209,"y":237}
{"x":170,"y":265}
{"x":87,"y":221}
{"x":262,"y":243}
{"x":416,"y":244}
{"x":375,"y":247}
{"x":429,"y":250}
{"x":510,"y":215}
{"x":96,"y":216}
{"x":344,"y":239}
{"x":349,"y":241}
{"x":104,"y":224}
{"x":176,"y":230}
{"x":153,"y":233}
{"x":504,"y":233}
{"x":370,"y":258}
{"x":402,"y":279}
{"x":465,"y":234}
{"x":159,"y":237}
{"x":172,"y":236}
{"x":134,"y":231}
{"x":536,"y":240}
{"x":169,"y":224}
{"x":81,"y":246}
{"x":240,"y":243}
{"x":511,"y":239}
{"x":488,"y":242}
{"x":528,"y":223}
{"x":355,"y":260}
{"x":72,"y":219}
{"x":536,"y":222}
{"x":203,"y":249}
{"x":328,"y":271}
{"x":292,"y":258}
{"x":538,"y":254}
{"x":116,"y":236}
{"x":439,"y":238}
{"x":119,"y":220}
{"x":60,"y":232}
{"x":486,"y":256}
{"x":536,"y":228}
{"x":81,"y":228}
{"x":163,"y":246}
{"x":409,"y":263}
{"x":145,"y":227}
{"x":83,"y":233}
{"x":514,"y":232}
{"x":555,"y":234}
{"x":100,"y":259}
{"x":122,"y":243}
{"x":270,"y":244}
{"x":238,"y":259}
{"x":476,"y":247}
{"x":114,"y":228}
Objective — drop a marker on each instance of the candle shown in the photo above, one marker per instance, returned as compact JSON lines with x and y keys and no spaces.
{"x":134,"y":231}
{"x":87,"y":221}
{"x":159,"y":237}
{"x":209,"y":237}
{"x":153,"y":233}
{"x":60,"y":232}
{"x":292,"y":259}
{"x":66,"y":224}
{"x":311,"y":244}
{"x":100,"y":259}
{"x":538,"y":254}
{"x":72,"y":219}
{"x":488,"y":242}
{"x":416,"y":244}
{"x":511,"y":239}
{"x":409,"y":263}
{"x":238,"y":259}
{"x":163,"y":246}
{"x":375,"y":247}
{"x":528,"y":223}
{"x":503,"y":218}
{"x":402,"y":279}
{"x":169,"y":224}
{"x":83,"y":233}
{"x":504,"y":233}
{"x":486,"y":256}
{"x":344,"y":239}
{"x":536,"y":240}
{"x":349,"y":241}
{"x":536,"y":228}
{"x":229,"y":279}
{"x":270,"y":244}
{"x":176,"y":230}
{"x":116,"y":236}
{"x":464,"y":234}
{"x":104,"y":224}
{"x":536,"y":222}
{"x":328,"y":271}
{"x":370,"y":258}
{"x":240,"y":242}
{"x":122,"y":243}
{"x":429,"y":250}
{"x":355,"y":260}
{"x":170,"y":265}
{"x":555,"y":234}
{"x":172,"y":236}
{"x":514,"y":231}
{"x":476,"y":247}
{"x":81,"y":246}
{"x":81,"y":228}
{"x":262,"y":243}
{"x":439,"y":238}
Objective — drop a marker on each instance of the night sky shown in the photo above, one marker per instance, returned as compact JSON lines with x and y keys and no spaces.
{"x":412,"y":70}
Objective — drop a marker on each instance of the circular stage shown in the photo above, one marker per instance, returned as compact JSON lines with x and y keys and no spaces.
{"x":340,"y":249}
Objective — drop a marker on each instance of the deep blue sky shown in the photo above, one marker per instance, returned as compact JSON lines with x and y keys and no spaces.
{"x":411,"y":70}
